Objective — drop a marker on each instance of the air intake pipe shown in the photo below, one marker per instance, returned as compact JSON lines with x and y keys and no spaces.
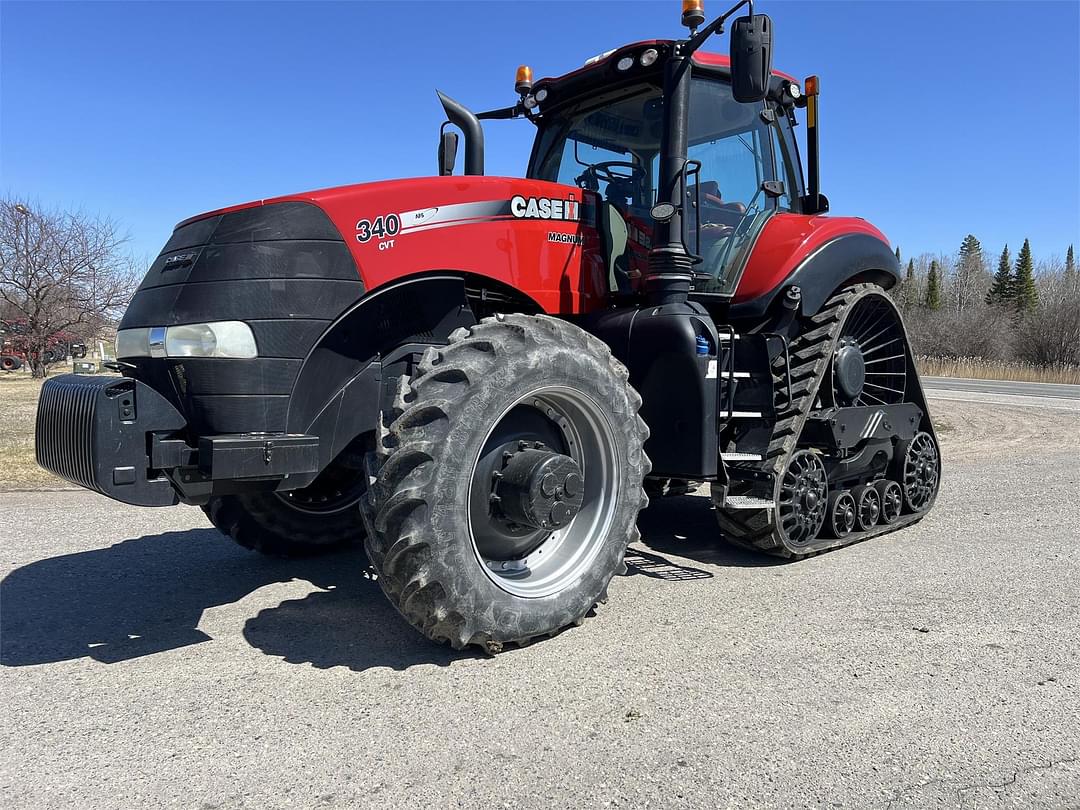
{"x":465,"y":119}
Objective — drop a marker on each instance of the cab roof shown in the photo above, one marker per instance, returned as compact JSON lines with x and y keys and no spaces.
{"x":610,"y":58}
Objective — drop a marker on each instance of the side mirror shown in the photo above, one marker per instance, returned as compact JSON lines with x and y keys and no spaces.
{"x":447,"y":152}
{"x":751,"y":57}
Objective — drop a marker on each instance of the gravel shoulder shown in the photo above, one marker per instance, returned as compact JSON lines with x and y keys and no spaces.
{"x":149,"y":663}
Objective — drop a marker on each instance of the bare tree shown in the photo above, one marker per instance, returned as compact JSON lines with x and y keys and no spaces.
{"x":1051,"y":334}
{"x":60,"y":271}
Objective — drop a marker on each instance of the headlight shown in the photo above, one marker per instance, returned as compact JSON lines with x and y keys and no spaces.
{"x":625,"y":63}
{"x":648,"y":57}
{"x":220,"y":339}
{"x":542,"y":94}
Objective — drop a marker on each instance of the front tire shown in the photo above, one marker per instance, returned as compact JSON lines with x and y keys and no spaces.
{"x":508,"y":484}
{"x":321,"y":518}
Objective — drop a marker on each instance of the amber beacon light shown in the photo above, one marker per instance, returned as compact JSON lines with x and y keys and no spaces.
{"x":693,"y":13}
{"x":523,"y":81}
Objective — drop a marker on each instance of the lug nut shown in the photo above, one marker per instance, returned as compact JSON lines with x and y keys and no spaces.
{"x":572,"y":484}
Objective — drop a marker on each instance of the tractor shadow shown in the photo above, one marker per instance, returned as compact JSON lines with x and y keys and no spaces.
{"x":148,"y":595}
{"x":685,"y":527}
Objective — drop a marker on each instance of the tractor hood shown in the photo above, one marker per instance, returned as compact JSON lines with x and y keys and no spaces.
{"x":508,"y":229}
{"x":289,"y":267}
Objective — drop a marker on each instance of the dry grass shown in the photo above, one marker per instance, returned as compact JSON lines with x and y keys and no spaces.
{"x":978,"y":369}
{"x":18,"y":404}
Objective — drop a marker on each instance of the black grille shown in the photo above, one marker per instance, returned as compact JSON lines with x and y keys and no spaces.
{"x":64,"y":437}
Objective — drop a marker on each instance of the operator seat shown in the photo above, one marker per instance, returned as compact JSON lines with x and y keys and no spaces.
{"x":614,"y":235}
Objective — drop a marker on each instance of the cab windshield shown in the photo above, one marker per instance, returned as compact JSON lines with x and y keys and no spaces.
{"x":610,"y":144}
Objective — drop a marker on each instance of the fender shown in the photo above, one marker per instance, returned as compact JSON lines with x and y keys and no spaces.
{"x":338,"y":392}
{"x":845,"y":259}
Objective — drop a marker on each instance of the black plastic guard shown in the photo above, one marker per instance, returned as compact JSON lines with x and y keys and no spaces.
{"x":95,"y":432}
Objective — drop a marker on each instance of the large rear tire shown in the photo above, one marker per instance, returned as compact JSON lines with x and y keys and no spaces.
{"x":509,"y":479}
{"x":318,"y":519}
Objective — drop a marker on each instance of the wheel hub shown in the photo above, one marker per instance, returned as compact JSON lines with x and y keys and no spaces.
{"x":849,"y":369}
{"x":538,"y":488}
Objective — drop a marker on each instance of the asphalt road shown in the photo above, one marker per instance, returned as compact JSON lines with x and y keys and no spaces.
{"x":1006,"y":392}
{"x":1009,"y":387}
{"x":147,"y":662}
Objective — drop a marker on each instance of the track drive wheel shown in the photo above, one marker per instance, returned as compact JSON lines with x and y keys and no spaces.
{"x":322,"y":517}
{"x":509,"y":479}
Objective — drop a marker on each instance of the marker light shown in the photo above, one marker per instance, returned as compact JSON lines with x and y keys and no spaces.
{"x":649,"y":57}
{"x":812,"y":86}
{"x":625,"y":63}
{"x":542,"y":94}
{"x":693,"y":13}
{"x":523,"y":80}
{"x":219,"y":339}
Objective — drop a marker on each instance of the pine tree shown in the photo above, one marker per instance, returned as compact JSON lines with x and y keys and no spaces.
{"x":1026,"y":295}
{"x":1070,"y":266}
{"x":970,"y":251}
{"x":1003,"y":290}
{"x":907,"y":291}
{"x":933,"y":287}
{"x":898,"y":254}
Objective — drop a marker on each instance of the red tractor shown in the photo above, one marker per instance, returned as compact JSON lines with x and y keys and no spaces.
{"x":16,"y":349}
{"x":480,"y":376}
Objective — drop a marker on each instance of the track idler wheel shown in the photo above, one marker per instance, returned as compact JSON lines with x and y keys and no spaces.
{"x":921,"y":472}
{"x":867,"y":507}
{"x":892,"y":500}
{"x":841,"y":514}
{"x":803,"y":498}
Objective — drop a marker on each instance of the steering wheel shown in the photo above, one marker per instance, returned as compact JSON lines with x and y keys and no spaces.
{"x":606,"y":171}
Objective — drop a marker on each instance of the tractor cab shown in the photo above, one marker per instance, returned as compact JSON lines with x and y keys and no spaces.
{"x":601,"y":129}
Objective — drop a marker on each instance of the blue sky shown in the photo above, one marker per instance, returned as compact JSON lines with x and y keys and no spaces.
{"x":937,"y":118}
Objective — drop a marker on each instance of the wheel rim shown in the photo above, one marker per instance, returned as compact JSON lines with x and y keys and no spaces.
{"x":892,"y":501}
{"x":339,"y":487}
{"x":921,"y":472}
{"x":870,"y":366}
{"x":843,"y":514}
{"x":534,"y":561}
{"x":869,"y":508}
{"x":802,"y":499}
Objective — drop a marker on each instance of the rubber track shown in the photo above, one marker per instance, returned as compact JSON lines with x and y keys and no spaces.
{"x":810,"y":353}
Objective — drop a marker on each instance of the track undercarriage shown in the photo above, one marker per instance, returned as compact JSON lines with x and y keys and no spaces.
{"x":837,"y":447}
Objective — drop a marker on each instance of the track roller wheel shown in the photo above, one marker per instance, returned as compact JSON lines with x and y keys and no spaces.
{"x":841,"y":513}
{"x":867,"y":507}
{"x":891,"y":495}
{"x":921,"y":472}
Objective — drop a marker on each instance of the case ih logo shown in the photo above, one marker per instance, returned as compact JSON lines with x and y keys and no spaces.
{"x":545,"y":208}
